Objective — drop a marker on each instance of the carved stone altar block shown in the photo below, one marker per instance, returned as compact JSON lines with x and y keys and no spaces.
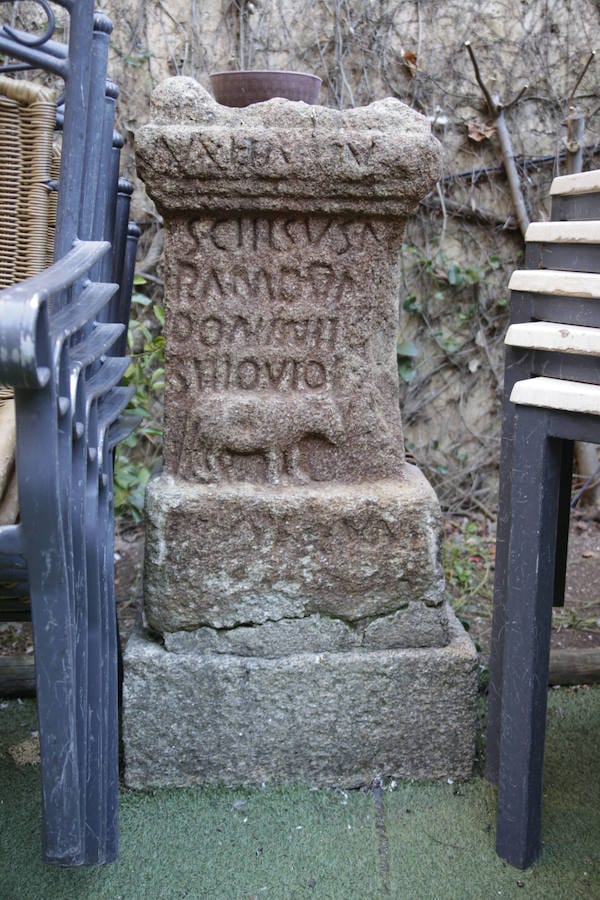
{"x":281,"y":346}
{"x":286,"y":511}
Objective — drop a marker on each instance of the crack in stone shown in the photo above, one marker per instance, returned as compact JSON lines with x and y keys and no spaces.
{"x":351,"y":624}
{"x":381,"y":831}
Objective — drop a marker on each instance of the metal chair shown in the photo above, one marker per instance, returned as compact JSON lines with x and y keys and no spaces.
{"x":61,"y":344}
{"x":551,"y":399}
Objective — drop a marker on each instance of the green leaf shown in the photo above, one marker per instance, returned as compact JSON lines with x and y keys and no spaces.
{"x":407,"y":349}
{"x":407,"y":372}
{"x":411,"y":304}
{"x":140,"y":299}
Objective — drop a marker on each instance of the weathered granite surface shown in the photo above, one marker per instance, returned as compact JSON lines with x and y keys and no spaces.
{"x":197,"y":155}
{"x":283,"y":228}
{"x":281,"y":360}
{"x":324,"y":719}
{"x":240,"y":553}
{"x":293,"y":578}
{"x":412,"y":625}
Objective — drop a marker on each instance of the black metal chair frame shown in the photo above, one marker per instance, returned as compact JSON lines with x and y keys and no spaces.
{"x":61,"y":345}
{"x":532,"y":537}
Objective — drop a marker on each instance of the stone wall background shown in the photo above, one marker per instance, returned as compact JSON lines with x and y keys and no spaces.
{"x":463,"y":243}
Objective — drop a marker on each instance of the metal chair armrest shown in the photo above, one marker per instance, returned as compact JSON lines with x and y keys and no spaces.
{"x":24,"y":323}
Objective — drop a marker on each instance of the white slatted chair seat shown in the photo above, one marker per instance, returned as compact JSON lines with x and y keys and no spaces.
{"x":556,"y":283}
{"x":555,"y":393}
{"x":572,"y":185}
{"x":584,"y":232}
{"x":554,"y":337}
{"x":576,"y":197}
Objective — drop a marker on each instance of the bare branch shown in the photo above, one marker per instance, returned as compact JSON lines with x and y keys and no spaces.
{"x":512,"y":175}
{"x":516,"y":99}
{"x":581,"y":77}
{"x":575,"y":123}
{"x":474,"y":213}
{"x":496,"y":109}
{"x":493,"y":109}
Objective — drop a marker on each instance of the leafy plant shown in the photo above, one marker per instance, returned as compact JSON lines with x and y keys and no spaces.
{"x":138,"y":454}
{"x":138,"y":58}
{"x":449,"y":305}
{"x":453,"y":314}
{"x":467,"y":567}
{"x":407,"y":353}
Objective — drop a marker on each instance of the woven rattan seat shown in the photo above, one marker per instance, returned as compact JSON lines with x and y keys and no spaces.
{"x":29,"y":162}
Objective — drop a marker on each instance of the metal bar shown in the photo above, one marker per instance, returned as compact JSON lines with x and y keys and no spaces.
{"x":69,"y":404}
{"x":94,"y":652}
{"x":96,"y":344}
{"x":127,"y":277}
{"x":49,"y":562}
{"x":93,"y":298}
{"x":24,"y":319}
{"x":112,"y":666}
{"x":108,"y":175}
{"x":11,"y":540}
{"x":57,"y":277}
{"x":74,"y":128}
{"x":95,"y":145}
{"x":34,"y":57}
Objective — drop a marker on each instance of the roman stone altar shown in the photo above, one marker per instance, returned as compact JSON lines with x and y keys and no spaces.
{"x":294,"y":596}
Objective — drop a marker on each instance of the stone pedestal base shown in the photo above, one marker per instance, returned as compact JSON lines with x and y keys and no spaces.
{"x":238,"y":554}
{"x":323,"y":719}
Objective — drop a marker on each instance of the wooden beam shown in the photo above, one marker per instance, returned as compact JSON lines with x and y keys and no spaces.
{"x":17,"y":676}
{"x":578,"y":666}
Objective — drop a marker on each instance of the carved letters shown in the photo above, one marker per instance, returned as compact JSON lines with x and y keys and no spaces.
{"x":280,"y":235}
{"x":264,"y":304}
{"x":250,"y":152}
{"x":222,"y":331}
{"x":312,"y":283}
{"x":225,"y":373}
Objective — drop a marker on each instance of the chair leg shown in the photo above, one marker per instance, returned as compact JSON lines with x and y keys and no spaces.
{"x":112,"y":679}
{"x":499,"y":614}
{"x":517,"y":366}
{"x":77,"y":495}
{"x":50,"y":563}
{"x":94,"y":820}
{"x":103,"y":737}
{"x":530,"y":589}
{"x":564,"y":515}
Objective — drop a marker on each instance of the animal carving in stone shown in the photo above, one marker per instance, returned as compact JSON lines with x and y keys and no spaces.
{"x":260,"y":423}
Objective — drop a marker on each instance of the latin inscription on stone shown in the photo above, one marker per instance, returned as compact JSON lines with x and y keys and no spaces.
{"x":272,"y":368}
{"x":221,"y":153}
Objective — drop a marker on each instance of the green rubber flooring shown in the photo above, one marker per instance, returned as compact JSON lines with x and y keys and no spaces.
{"x":410,"y":840}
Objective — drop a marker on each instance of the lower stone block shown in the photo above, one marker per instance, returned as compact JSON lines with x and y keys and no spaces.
{"x":323,"y":719}
{"x":237,"y":553}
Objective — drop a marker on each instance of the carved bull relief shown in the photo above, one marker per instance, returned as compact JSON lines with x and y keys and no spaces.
{"x":269,"y":425}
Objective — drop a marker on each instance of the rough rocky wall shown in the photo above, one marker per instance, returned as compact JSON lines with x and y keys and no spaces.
{"x":464,"y":242}
{"x":365,"y":49}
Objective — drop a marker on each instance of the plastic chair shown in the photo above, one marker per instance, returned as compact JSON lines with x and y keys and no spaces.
{"x":551,"y":399}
